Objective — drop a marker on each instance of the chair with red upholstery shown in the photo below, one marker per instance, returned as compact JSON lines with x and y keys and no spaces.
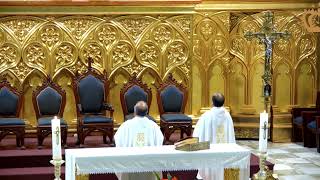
{"x":10,"y":106}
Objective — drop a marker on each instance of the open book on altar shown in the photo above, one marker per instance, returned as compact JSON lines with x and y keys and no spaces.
{"x":191,"y":144}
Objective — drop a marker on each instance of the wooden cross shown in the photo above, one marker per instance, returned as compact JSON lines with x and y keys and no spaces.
{"x":267,"y":36}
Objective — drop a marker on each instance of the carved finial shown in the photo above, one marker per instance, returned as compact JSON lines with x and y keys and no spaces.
{"x":134,"y":75}
{"x":48,"y":79}
{"x":90,"y":61}
{"x":170,"y":76}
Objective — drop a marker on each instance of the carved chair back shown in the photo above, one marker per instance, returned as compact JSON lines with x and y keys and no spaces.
{"x":11,"y":100}
{"x":49,"y":99}
{"x":91,"y":91}
{"x":132,"y":92}
{"x":172,"y":96}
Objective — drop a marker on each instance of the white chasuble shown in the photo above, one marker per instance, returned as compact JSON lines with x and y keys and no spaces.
{"x":216,"y":126}
{"x":138,"y":132}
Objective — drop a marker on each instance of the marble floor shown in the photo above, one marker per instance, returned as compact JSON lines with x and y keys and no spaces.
{"x":292,"y":160}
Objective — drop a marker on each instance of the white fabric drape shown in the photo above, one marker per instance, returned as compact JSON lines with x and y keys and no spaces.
{"x":153,"y":159}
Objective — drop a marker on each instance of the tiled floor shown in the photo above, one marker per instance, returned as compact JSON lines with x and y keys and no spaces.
{"x":292,"y":161}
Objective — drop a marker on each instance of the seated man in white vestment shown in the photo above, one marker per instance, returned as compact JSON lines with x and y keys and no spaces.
{"x":216,"y":126}
{"x":138,"y":131}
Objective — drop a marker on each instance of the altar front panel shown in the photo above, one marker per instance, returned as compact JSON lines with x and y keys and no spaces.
{"x":201,"y":43}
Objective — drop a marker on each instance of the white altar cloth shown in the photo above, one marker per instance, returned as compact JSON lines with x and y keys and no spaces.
{"x":153,"y":159}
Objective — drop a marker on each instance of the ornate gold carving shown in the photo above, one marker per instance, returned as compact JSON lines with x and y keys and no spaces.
{"x":185,"y":68}
{"x":21,"y":27}
{"x":35,"y":55}
{"x":78,"y":67}
{"x":9,"y":55}
{"x":162,"y":34}
{"x":78,"y":26}
{"x":49,"y":35}
{"x":311,"y":20}
{"x":134,"y":68}
{"x":225,"y":18}
{"x":184,"y":23}
{"x":149,"y":54}
{"x":106,"y":34}
{"x":306,"y":46}
{"x":2,"y":36}
{"x":177,"y":53}
{"x":21,"y":71}
{"x":231,"y":173}
{"x":219,"y":45}
{"x":95,"y":51}
{"x":295,"y":29}
{"x":65,"y":54}
{"x":207,"y":29}
{"x":238,"y":47}
{"x":135,"y":25}
{"x":246,"y":132}
{"x":122,"y":54}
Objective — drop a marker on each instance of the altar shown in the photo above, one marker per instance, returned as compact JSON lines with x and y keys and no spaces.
{"x":154,"y":159}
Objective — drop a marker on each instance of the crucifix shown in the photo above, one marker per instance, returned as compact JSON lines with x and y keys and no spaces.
{"x":267,"y":36}
{"x":265,"y":128}
{"x":57,"y":135}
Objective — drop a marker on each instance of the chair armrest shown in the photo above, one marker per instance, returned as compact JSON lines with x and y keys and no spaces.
{"x":79,"y":108}
{"x":308,"y":116}
{"x":297,"y":111}
{"x":107,"y":106}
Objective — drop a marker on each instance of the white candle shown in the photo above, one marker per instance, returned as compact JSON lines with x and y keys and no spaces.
{"x":56,"y":138}
{"x":263,"y":132}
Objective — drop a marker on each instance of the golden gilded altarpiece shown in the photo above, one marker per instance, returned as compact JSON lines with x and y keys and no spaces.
{"x":201,"y":43}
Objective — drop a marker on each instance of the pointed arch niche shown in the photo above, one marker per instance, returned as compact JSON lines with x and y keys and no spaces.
{"x":237,"y":88}
{"x":282,"y":87}
{"x":256,"y":85}
{"x":305,"y":84}
{"x":64,"y":79}
{"x":217,"y":79}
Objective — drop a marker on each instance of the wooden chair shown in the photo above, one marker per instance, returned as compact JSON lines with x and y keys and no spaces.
{"x":91,"y":91}
{"x":309,"y":128}
{"x":297,"y":120}
{"x":317,"y":132}
{"x":132,"y":92}
{"x":49,"y":100}
{"x":172,"y":98}
{"x":10,"y":106}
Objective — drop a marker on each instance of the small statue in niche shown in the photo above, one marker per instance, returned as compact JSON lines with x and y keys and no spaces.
{"x":267,"y":90}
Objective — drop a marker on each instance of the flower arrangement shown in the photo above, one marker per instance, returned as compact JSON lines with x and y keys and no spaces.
{"x":169,"y":177}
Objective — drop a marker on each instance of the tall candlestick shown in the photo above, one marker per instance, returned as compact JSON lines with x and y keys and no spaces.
{"x":263,"y":132}
{"x":56,"y":138}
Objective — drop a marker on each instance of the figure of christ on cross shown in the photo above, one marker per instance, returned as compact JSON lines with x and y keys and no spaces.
{"x":267,"y":36}
{"x":57,"y":135}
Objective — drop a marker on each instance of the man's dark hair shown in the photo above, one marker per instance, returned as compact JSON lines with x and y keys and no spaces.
{"x":217,"y":99}
{"x":141,"y":108}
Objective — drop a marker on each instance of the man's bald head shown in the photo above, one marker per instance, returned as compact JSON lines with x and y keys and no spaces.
{"x":217,"y":100}
{"x":141,"y":109}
